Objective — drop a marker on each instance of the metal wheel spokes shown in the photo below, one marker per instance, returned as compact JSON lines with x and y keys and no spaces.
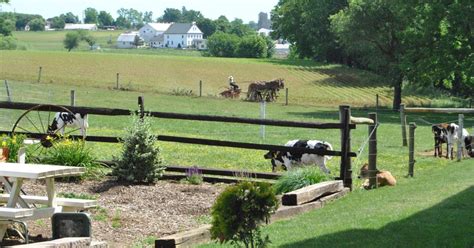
{"x":36,"y":125}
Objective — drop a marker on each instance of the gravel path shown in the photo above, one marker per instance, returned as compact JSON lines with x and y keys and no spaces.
{"x":128,"y":214}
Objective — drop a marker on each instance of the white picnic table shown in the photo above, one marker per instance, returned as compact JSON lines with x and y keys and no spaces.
{"x":13,"y":174}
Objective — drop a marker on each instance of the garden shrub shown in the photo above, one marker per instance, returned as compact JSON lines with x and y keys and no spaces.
{"x":72,"y":153}
{"x":140,"y":161}
{"x":238,"y":212}
{"x":194,"y":176}
{"x":299,"y":178}
{"x":7,"y":43}
{"x":13,"y":144}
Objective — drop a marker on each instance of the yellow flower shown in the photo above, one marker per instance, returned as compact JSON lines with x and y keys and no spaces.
{"x":4,"y":144}
{"x":48,"y":137}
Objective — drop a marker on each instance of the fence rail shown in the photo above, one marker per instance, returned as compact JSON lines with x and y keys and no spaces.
{"x":441,"y":110}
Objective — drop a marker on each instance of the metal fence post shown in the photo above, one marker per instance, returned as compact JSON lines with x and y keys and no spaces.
{"x":404,"y":124}
{"x":411,"y":149}
{"x":117,"y":83}
{"x":286,"y":97}
{"x":263,"y":106}
{"x":200,"y":88}
{"x":377,"y":103}
{"x":373,"y":151}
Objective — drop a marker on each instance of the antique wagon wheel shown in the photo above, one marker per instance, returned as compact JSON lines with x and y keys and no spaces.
{"x":35,"y":123}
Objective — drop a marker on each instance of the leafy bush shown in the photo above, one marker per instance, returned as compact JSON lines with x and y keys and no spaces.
{"x":299,"y":178}
{"x":140,"y":161}
{"x":238,"y":212}
{"x":13,"y":144}
{"x":252,"y":46}
{"x":73,"y":153}
{"x":7,"y":43}
{"x":222,"y":45}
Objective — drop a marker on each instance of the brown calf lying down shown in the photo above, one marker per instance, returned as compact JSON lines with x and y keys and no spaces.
{"x":383,"y":177}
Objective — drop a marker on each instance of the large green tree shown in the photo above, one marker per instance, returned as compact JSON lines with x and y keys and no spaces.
{"x":373,"y":30}
{"x":306,"y":24}
{"x":69,"y":17}
{"x":440,"y":45}
{"x":222,"y":44}
{"x":171,"y":15}
{"x":105,"y":19}
{"x":91,"y":16}
{"x":37,"y":24}
{"x":7,"y":23}
{"x":207,"y":26}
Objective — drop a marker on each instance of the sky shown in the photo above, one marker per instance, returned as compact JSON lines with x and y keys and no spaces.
{"x":247,"y":10}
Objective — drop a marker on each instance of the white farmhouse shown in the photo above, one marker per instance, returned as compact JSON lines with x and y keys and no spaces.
{"x":79,"y":26}
{"x":264,"y":31}
{"x":181,"y":35}
{"x":127,"y":40}
{"x":150,"y":31}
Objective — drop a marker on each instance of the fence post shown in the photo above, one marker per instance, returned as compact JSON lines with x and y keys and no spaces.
{"x":263,"y":106}
{"x":9,"y":97}
{"x":404,"y":124}
{"x":117,"y":83}
{"x":346,"y":171}
{"x":460,"y":140}
{"x":286,"y":97}
{"x":200,"y":88}
{"x":141,"y":107}
{"x":39,"y":74}
{"x":373,"y":151}
{"x":376,"y":103}
{"x":73,"y":98}
{"x":411,"y":149}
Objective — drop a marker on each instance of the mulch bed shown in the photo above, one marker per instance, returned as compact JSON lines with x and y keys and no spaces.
{"x":130,"y":213}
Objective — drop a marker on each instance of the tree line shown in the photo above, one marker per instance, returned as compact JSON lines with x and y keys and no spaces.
{"x":424,"y":43}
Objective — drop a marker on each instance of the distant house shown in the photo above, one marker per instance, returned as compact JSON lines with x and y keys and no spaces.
{"x":79,"y":26}
{"x":200,"y":44}
{"x":181,"y":35}
{"x":264,"y":31}
{"x":157,"y":41}
{"x":127,"y":40}
{"x":282,"y":50}
{"x":152,"y":30}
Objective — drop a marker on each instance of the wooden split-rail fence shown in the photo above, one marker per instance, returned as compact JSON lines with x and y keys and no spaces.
{"x":344,"y":125}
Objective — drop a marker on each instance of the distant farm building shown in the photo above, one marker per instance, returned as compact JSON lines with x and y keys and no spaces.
{"x":73,"y":26}
{"x":264,"y":31}
{"x":153,"y":32}
{"x":199,"y":44}
{"x":181,"y":35}
{"x":127,"y":40}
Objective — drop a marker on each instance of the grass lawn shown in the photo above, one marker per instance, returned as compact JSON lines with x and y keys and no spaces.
{"x":434,"y":204}
{"x":433,"y":209}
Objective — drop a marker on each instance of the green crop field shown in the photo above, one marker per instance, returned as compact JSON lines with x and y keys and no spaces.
{"x":315,"y":89}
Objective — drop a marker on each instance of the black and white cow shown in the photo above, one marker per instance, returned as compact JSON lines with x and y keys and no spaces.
{"x":469,"y":145}
{"x":440,"y":136}
{"x":453,"y":136}
{"x":286,"y":159}
{"x":63,"y":119}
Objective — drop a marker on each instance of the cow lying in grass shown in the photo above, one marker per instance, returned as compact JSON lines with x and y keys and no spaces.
{"x":383,"y":178}
{"x":453,"y":137}
{"x":63,"y":119}
{"x":286,"y":159}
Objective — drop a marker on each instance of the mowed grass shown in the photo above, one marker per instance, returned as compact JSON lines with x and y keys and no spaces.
{"x":433,"y":209}
{"x":308,"y":83}
{"x":391,"y":155}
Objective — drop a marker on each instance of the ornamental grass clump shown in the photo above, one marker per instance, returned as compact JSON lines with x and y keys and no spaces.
{"x":239,"y":211}
{"x":299,"y":178}
{"x":140,"y":161}
{"x":69,"y":152}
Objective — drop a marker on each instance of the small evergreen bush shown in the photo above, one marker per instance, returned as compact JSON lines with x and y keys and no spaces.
{"x":238,"y":212}
{"x":299,"y":178}
{"x":140,"y":161}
